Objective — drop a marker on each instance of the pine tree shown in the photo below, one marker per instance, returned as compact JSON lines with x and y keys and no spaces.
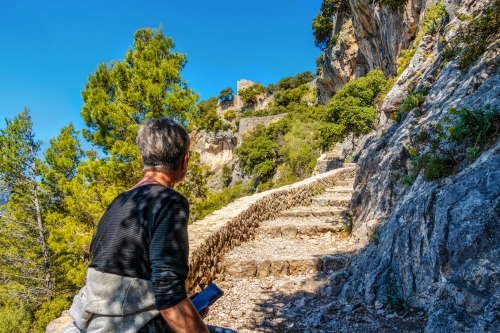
{"x":146,"y":85}
{"x":25,"y":270}
{"x":62,"y":159}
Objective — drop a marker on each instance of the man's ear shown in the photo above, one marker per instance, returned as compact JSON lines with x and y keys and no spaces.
{"x":185,"y":162}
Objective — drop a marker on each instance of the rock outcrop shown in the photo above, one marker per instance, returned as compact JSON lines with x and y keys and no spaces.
{"x":436,"y":242}
{"x":343,"y":62}
{"x":215,"y":149}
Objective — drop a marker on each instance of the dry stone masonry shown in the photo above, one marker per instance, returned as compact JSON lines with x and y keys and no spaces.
{"x":248,"y":124}
{"x":236,"y":223}
{"x":279,"y":281}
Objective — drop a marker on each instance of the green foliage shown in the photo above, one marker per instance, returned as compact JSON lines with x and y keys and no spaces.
{"x":398,"y":117}
{"x":330,"y":134}
{"x":375,"y":236}
{"x":229,"y":115}
{"x":347,"y":229}
{"x":397,"y":299}
{"x":432,"y":27}
{"x":448,"y":52}
{"x":349,"y":159}
{"x":292,"y":82}
{"x":414,"y":99}
{"x":404,"y":61}
{"x":445,"y":149}
{"x":50,"y":311}
{"x":322,"y":27}
{"x":147,"y":84}
{"x":478,"y":34}
{"x":15,"y":318}
{"x":226,"y":175}
{"x":474,"y":127}
{"x":317,"y":189}
{"x":351,"y":108}
{"x":433,"y":18}
{"x":54,"y":205}
{"x":295,"y":95}
{"x":194,"y":187}
{"x":32,"y":269}
{"x":207,"y":116}
{"x":216,"y":201}
{"x":320,"y":63}
{"x":258,"y":152}
{"x":409,"y":180}
{"x":285,"y":176}
{"x":393,"y":5}
{"x":226,"y":94}
{"x":434,"y":15}
{"x":250,"y":113}
{"x":25,"y":267}
{"x":322,"y":24}
{"x":249,"y":95}
{"x":291,"y":143}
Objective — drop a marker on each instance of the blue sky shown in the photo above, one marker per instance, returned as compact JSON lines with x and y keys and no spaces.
{"x":48,"y":48}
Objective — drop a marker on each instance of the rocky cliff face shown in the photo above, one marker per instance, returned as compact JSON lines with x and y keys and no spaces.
{"x":372,"y":37}
{"x":343,"y":62}
{"x":215,"y":149}
{"x":434,"y":242}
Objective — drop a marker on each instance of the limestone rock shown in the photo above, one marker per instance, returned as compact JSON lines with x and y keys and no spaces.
{"x":437,"y":240}
{"x":215,"y":149}
{"x":343,"y":63}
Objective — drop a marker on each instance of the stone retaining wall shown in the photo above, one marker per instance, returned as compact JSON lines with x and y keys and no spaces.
{"x":212,"y":237}
{"x":248,"y":124}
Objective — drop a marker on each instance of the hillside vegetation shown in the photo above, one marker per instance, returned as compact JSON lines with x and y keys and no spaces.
{"x":56,"y":200}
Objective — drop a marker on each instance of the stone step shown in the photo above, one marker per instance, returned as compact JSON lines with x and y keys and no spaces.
{"x":297,"y":265}
{"x":340,"y":189}
{"x":334,"y":213}
{"x":332,"y":199}
{"x":349,"y":183}
{"x":294,"y":227}
{"x":301,"y":255}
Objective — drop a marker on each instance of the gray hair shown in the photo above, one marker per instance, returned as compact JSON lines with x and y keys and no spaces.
{"x":163,"y":142}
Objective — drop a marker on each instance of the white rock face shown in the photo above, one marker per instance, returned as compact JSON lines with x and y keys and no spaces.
{"x":343,"y":62}
{"x":215,"y":149}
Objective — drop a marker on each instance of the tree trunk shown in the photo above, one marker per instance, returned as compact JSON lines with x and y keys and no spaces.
{"x":41,"y":234}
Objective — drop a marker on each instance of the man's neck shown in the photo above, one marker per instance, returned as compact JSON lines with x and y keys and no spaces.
{"x":166,"y":178}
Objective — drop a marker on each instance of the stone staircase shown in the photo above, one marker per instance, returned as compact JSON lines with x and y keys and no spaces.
{"x":312,"y":229}
{"x":279,"y":281}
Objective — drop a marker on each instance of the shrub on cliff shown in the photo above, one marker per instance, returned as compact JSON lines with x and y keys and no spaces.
{"x":433,"y":17}
{"x":292,"y":82}
{"x":477,"y":35}
{"x":249,"y":95}
{"x":207,"y":117}
{"x":351,"y":110}
{"x":437,"y":151}
{"x":229,"y":115}
{"x":226,"y":94}
{"x":291,"y":143}
{"x":286,"y":97}
{"x":320,"y":63}
{"x":322,"y":24}
{"x":292,"y":89}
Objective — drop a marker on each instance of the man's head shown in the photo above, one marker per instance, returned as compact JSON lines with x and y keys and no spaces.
{"x":163,"y":143}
